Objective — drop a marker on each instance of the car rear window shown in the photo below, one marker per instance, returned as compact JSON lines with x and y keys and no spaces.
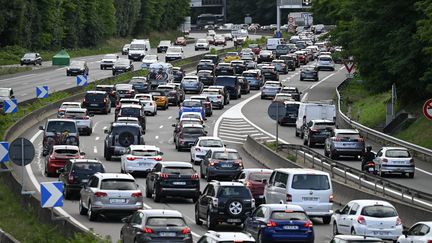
{"x":94,"y":97}
{"x":193,"y":130}
{"x":259,"y":176}
{"x":179,"y":170}
{"x":348,"y":136}
{"x":118,"y":184}
{"x":310,"y":182}
{"x":192,"y":103}
{"x":142,"y":152}
{"x":120,"y":129}
{"x":225,"y":155}
{"x":61,"y":126}
{"x":379,"y":211}
{"x":88,"y":168}
{"x":326,"y":59}
{"x":135,"y":112}
{"x":107,"y":89}
{"x":234,"y":191}
{"x":75,"y":114}
{"x":226,"y":81}
{"x":66,"y":151}
{"x":213,"y":143}
{"x":398,"y":153}
{"x":288,"y":215}
{"x":165,"y":221}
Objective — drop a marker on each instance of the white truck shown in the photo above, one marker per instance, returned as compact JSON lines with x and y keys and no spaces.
{"x":138,"y":49}
{"x":313,"y":111}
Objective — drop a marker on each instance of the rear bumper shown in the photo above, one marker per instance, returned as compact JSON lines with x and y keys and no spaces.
{"x":385,"y":234}
{"x":398,"y":168}
{"x":180,"y":192}
{"x":287,"y":236}
{"x":348,"y":152}
{"x":226,"y":174}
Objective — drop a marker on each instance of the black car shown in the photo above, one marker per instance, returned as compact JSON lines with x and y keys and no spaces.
{"x":139,"y":84}
{"x":213,"y":57}
{"x":244,"y":85}
{"x":122,"y":65}
{"x":175,"y":94}
{"x":76,"y":173}
{"x":295,"y":93}
{"x":31,"y":58}
{"x":178,"y":74}
{"x":132,"y":110}
{"x":291,"y":61}
{"x":206,"y":77}
{"x":224,"y":70}
{"x":97,"y":101}
{"x":77,"y":68}
{"x":111,"y":90}
{"x":175,"y":179}
{"x":205,"y":66}
{"x":224,"y":202}
{"x":232,"y":84}
{"x":239,"y":67}
{"x":317,"y":131}
{"x":187,"y":135}
{"x":270,"y":74}
{"x":119,"y":137}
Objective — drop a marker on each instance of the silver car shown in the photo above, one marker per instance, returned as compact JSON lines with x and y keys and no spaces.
{"x":344,"y":142}
{"x":394,"y":160}
{"x":140,"y":158}
{"x":325,"y":62}
{"x":110,"y":193}
{"x":82,"y":119}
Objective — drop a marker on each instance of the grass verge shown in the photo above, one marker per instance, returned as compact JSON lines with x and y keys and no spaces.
{"x":12,"y":70}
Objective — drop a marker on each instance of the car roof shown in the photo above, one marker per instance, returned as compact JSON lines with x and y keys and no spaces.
{"x":71,"y":103}
{"x":176,"y":164}
{"x":114,"y":175}
{"x":144,"y":147}
{"x":131,"y":106}
{"x":278,"y":206}
{"x":352,"y":131}
{"x":398,"y":148}
{"x":321,"y":120}
{"x":75,"y":109}
{"x":198,"y":97}
{"x":127,"y":118}
{"x":60,"y":119}
{"x":105,"y":85}
{"x":371,"y":202}
{"x":161,"y":212}
{"x":228,"y":183}
{"x":230,"y":236}
{"x":301,"y":171}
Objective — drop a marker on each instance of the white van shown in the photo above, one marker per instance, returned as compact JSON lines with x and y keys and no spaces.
{"x":310,"y":189}
{"x":272,"y":43}
{"x":313,"y":111}
{"x":138,"y":49}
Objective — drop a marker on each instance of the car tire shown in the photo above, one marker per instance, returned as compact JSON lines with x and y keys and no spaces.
{"x":326,"y":219}
{"x":108,"y":155}
{"x":411,"y":175}
{"x":305,"y":142}
{"x":197,"y":218}
{"x":210,"y":222}
{"x":82,"y":209}
{"x":353,"y":232}
{"x":157,"y":196}
{"x":301,"y":135}
{"x":326,"y":154}
{"x":195,"y":199}
{"x":310,"y":144}
{"x":301,"y":79}
{"x":66,"y":193}
{"x":260,"y":239}
{"x":335,"y":229}
{"x":201,"y":173}
{"x":148,"y":193}
{"x":92,"y":216}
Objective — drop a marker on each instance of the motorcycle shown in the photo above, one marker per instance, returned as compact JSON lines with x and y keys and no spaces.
{"x":369,"y":167}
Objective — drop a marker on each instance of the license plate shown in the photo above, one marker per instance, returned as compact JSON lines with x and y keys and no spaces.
{"x":371,"y":169}
{"x":233,"y":220}
{"x":179,"y":183}
{"x":291,"y":227}
{"x":93,"y":104}
{"x":399,"y":162}
{"x":380,"y":233}
{"x":85,"y":180}
{"x":226,"y":165}
{"x":167,"y":234}
{"x":117,"y":200}
{"x":310,"y":198}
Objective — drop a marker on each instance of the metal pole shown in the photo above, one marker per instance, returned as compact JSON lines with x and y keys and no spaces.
{"x":278,"y":17}
{"x":277,"y":128}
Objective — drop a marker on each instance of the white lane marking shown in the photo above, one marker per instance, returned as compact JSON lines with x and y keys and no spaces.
{"x":231,"y":137}
{"x":161,"y":126}
{"x":304,"y":97}
{"x":37,"y":186}
{"x":235,"y":125}
{"x":238,"y":132}
{"x":229,"y":141}
{"x":105,"y":127}
{"x":238,"y":129}
{"x":324,"y":79}
{"x":170,"y":117}
{"x":156,"y":137}
{"x":234,"y":135}
{"x":426,"y":172}
{"x":97,"y":138}
{"x":95,"y":149}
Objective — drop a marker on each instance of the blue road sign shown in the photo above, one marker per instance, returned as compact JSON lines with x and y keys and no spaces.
{"x":81,"y":80}
{"x":4,"y":152}
{"x":10,"y":106}
{"x":42,"y":92}
{"x":51,"y":194}
{"x":278,"y":34}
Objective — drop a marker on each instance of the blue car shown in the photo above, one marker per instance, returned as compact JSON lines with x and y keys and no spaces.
{"x":254,"y":82}
{"x":192,"y":106}
{"x":192,"y":84}
{"x":280,"y":223}
{"x":269,"y":91}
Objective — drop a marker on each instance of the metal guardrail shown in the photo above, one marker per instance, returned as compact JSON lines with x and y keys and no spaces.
{"x":363,"y":179}
{"x":382,"y":138}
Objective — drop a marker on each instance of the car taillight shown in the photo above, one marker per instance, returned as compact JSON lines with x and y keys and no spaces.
{"x":219,"y":97}
{"x":185,"y":231}
{"x":331,"y":198}
{"x":195,"y":176}
{"x":100,"y":194}
{"x":131,"y":158}
{"x":214,"y":162}
{"x":398,"y":221}
{"x":148,"y":230}
{"x":361,"y":220}
{"x":215,"y":202}
{"x":163,"y":175}
{"x":412,"y":161}
{"x":136,"y":194}
{"x":336,"y":139}
{"x":71,"y":179}
{"x":308,"y":224}
{"x":248,"y":184}
{"x":385,"y":160}
{"x":271,"y":224}
{"x":158,"y":158}
{"x":198,"y":149}
{"x":289,"y":198}
{"x":86,"y":117}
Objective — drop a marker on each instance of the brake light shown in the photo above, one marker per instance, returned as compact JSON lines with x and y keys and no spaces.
{"x":131,"y":158}
{"x":336,"y":139}
{"x":100,"y":194}
{"x":219,"y":97}
{"x":412,"y":161}
{"x":86,"y":117}
{"x":198,"y":149}
{"x":186,"y":231}
{"x":271,"y":224}
{"x":248,"y":184}
{"x":71,"y":179}
{"x":158,"y":158}
{"x":148,"y":230}
{"x":308,"y":224}
{"x":398,"y":221}
{"x":136,"y":194}
{"x":331,"y":198}
{"x":289,"y":198}
{"x":385,"y":160}
{"x":215,"y":202}
{"x":214,"y":162}
{"x":195,"y":176}
{"x":163,"y":175}
{"x":106,"y":100}
{"x":361,"y":220}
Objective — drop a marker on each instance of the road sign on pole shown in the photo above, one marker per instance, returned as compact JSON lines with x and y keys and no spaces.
{"x":4,"y":152}
{"x":276,"y":110}
{"x":427,"y":109}
{"x":42,"y":92}
{"x":10,"y":106}
{"x":51,"y":194}
{"x":22,"y":152}
{"x":349,"y":65}
{"x":81,"y":80}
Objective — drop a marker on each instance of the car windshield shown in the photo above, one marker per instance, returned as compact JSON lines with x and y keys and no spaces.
{"x":104,"y":88}
{"x":29,"y":55}
{"x":165,"y":222}
{"x":231,"y":54}
{"x":155,"y":93}
{"x":225,"y":155}
{"x":202,"y":41}
{"x":61,"y":126}
{"x":70,"y":105}
{"x":379,"y":211}
{"x":77,"y":65}
{"x":144,"y":152}
{"x":310,"y":182}
{"x":259,"y":176}
{"x":213,"y":143}
{"x":66,"y":151}
{"x":166,"y":87}
{"x":88,"y":168}
{"x":135,"y":112}
{"x":234,"y":191}
{"x":397,"y":153}
{"x":192,"y":103}
{"x":179,"y":170}
{"x":90,"y":97}
{"x":292,"y":107}
{"x":118,"y":184}
{"x":193,"y":130}
{"x":289,"y":215}
{"x":137,"y":47}
{"x":326,"y":59}
{"x":191,"y":115}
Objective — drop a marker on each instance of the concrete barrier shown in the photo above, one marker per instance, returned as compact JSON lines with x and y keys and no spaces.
{"x":344,"y":192}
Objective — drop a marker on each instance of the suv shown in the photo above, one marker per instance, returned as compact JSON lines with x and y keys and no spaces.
{"x":110,"y":192}
{"x":54,"y":134}
{"x":163,"y":46}
{"x":346,"y":142}
{"x":228,"y":202}
{"x":76,"y":173}
{"x":177,"y":179}
{"x":108,"y":61}
{"x":119,"y":137}
{"x":219,"y":237}
{"x":131,"y":110}
{"x":31,"y":58}
{"x":317,"y":131}
{"x":97,"y":101}
{"x":232,"y":84}
{"x":110,"y":89}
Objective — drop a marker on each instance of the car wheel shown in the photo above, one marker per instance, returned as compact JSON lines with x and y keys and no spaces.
{"x":90,"y":213}
{"x":108,"y":155}
{"x":301,"y":135}
{"x":326,"y":219}
{"x":201,"y":173}
{"x":66,"y":192}
{"x":260,"y":239}
{"x":310,"y":144}
{"x":411,"y":175}
{"x":82,"y":209}
{"x":210,"y":222}
{"x":335,"y":229}
{"x":326,"y":154}
{"x":148,"y":192}
{"x":305,"y":142}
{"x":157,"y":196}
{"x":301,"y":79}
{"x":197,"y":219}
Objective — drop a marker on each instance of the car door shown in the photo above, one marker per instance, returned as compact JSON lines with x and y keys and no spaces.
{"x":413,"y":235}
{"x":341,"y":218}
{"x":206,"y":199}
{"x":152,"y":176}
{"x":351,"y":218}
{"x":280,"y":187}
{"x":194,"y":147}
{"x":268,"y":190}
{"x":87,"y":191}
{"x":255,"y":222}
{"x":205,"y":161}
{"x":128,"y":227}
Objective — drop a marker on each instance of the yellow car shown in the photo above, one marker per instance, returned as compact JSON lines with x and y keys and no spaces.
{"x":160,"y":98}
{"x":231,"y":56}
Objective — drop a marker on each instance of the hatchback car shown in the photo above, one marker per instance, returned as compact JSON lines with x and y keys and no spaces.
{"x":140,"y":159}
{"x":187,"y":135}
{"x":308,"y":72}
{"x":31,"y":58}
{"x":110,"y":193}
{"x":77,"y":68}
{"x":137,"y":111}
{"x":419,"y":232}
{"x":269,"y":91}
{"x":155,"y":225}
{"x":394,"y":160}
{"x":192,"y":84}
{"x":64,"y":105}
{"x":317,"y":131}
{"x":148,"y":60}
{"x":295,"y":93}
{"x":344,"y":142}
{"x":202,"y":44}
{"x":202,"y":145}
{"x":82,"y":119}
{"x":58,"y":157}
{"x":180,"y":41}
{"x":161,"y":99}
{"x":97,"y":101}
{"x":325,"y":62}
{"x":374,"y":218}
{"x":190,"y":105}
{"x":221,"y":163}
{"x":279,"y":223}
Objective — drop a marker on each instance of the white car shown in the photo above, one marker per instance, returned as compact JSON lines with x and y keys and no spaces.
{"x":215,"y":97}
{"x":420,"y":232}
{"x":202,"y":44}
{"x":150,"y":107}
{"x":394,"y":160}
{"x":174,"y":53}
{"x":373,"y":218}
{"x":148,"y":60}
{"x":140,"y":158}
{"x":197,"y":115}
{"x":108,"y":61}
{"x":64,"y":105}
{"x":202,"y":145}
{"x":82,"y":119}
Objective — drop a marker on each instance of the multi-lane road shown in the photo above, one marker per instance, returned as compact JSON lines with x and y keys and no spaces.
{"x":246,"y":116}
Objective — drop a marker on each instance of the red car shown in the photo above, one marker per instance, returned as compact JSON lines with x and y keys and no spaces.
{"x":256,"y":49}
{"x":219,"y":40}
{"x":180,"y":41}
{"x":58,"y":157}
{"x":255,"y":179}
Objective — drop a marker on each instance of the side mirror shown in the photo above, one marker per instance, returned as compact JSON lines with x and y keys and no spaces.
{"x":264,"y":181}
{"x":405,"y":233}
{"x":225,"y":145}
{"x":82,"y":153}
{"x":337,"y":211}
{"x":106,"y":131}
{"x":126,"y":219}
{"x":41,"y":128}
{"x":61,"y":170}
